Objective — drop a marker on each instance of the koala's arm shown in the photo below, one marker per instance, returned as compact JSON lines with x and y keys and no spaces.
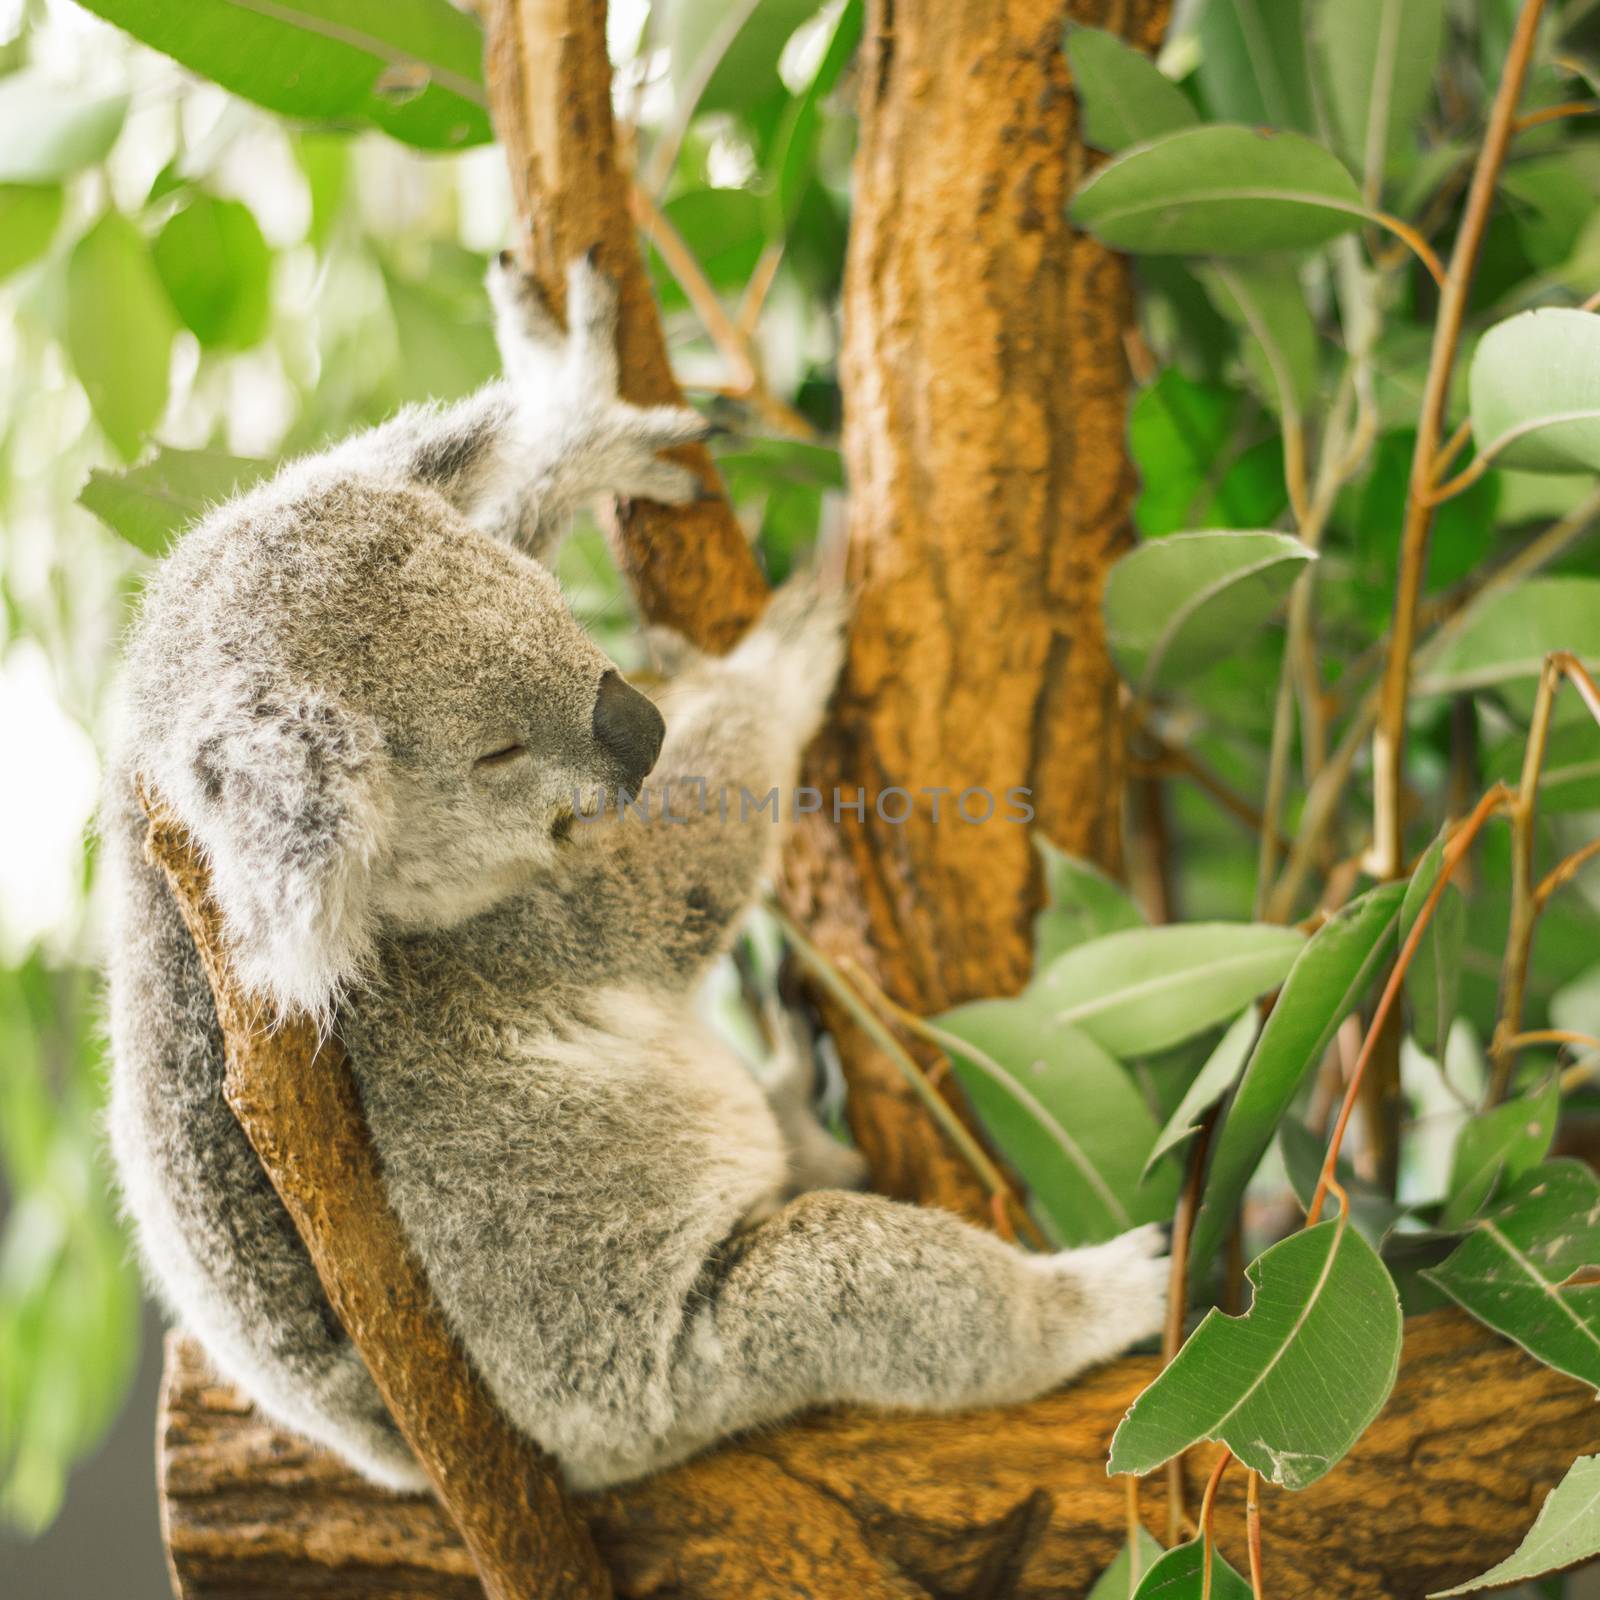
{"x":522,"y":454}
{"x":854,"y":1298}
{"x":674,"y":872}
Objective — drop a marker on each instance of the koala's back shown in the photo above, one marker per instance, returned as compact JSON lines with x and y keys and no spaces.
{"x":215,"y":1237}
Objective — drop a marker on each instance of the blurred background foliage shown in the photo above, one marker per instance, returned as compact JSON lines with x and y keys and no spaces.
{"x":209,"y":262}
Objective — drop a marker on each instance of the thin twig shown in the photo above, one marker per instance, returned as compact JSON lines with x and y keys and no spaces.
{"x":1496,"y":799}
{"x":1130,"y":1500}
{"x":1538,"y":1036}
{"x":1178,"y":1299}
{"x":1252,"y":1529}
{"x":862,"y":1015}
{"x":1208,"y":1506}
{"x":1560,"y":875}
{"x":1389,"y":748}
{"x":1567,"y":108}
{"x":735,"y":347}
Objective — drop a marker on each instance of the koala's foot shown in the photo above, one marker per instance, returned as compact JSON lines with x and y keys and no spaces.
{"x":571,"y":375}
{"x":1105,"y":1297}
{"x":797,"y":649}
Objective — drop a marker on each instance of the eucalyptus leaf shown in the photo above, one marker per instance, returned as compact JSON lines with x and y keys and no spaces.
{"x":1118,"y":1581}
{"x":150,"y":505}
{"x":1535,"y":391}
{"x":1220,"y":190}
{"x":217,"y":269}
{"x":1222,"y":1067}
{"x":1267,"y":301}
{"x":1497,"y":1147}
{"x":47,"y":133}
{"x":730,"y":52}
{"x":413,"y":68}
{"x":1566,"y":1531}
{"x":1180,"y":1575}
{"x":1125,"y":98}
{"x":29,"y":216}
{"x":1177,"y":604}
{"x":1333,"y":973}
{"x":1143,"y":990}
{"x":1513,"y":1271}
{"x":1065,"y":1112}
{"x":1253,"y":65}
{"x":119,"y":330}
{"x":1509,"y":639}
{"x":1376,"y":61}
{"x":1081,"y":903}
{"x":1291,"y":1384}
{"x":1433,"y":981}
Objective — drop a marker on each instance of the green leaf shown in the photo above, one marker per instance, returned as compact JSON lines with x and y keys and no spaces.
{"x":1215,"y":1079}
{"x":1512,"y":1271}
{"x":1253,"y":62}
{"x":1566,"y":1531}
{"x":1064,"y":1112}
{"x":1268,"y":302}
{"x":1433,"y":981}
{"x":733,"y":49}
{"x":1148,"y":988}
{"x":1569,"y":779}
{"x":119,"y":330}
{"x":29,"y":216}
{"x":1177,"y":604}
{"x":1497,"y":1147}
{"x":1180,"y":1575}
{"x":151,"y":505}
{"x":1535,"y":391}
{"x":1377,"y":61}
{"x":1219,"y":191}
{"x":48,"y":132}
{"x":218,"y":270}
{"x":1326,"y":984}
{"x":1293,"y":1383}
{"x":413,"y":68}
{"x":793,"y":159}
{"x":1124,"y":97}
{"x":1510,"y":638}
{"x":1082,"y":903}
{"x":1372,"y":1211}
{"x":1117,"y":1581}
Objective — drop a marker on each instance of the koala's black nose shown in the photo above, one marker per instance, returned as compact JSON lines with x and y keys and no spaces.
{"x":628,"y":728}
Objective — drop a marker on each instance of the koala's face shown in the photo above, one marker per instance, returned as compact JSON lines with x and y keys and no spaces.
{"x":372,"y":718}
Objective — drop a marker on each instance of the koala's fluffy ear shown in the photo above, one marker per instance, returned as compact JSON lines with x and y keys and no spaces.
{"x":289,"y":802}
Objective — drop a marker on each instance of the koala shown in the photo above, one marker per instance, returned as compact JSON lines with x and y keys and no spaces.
{"x":359,"y":687}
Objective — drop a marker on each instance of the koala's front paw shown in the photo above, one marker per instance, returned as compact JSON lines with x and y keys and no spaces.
{"x":797,"y":649}
{"x":572,"y":375}
{"x":1107,"y":1297}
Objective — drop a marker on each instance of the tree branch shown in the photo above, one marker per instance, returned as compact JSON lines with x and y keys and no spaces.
{"x":297,"y":1102}
{"x":1012,"y":1502}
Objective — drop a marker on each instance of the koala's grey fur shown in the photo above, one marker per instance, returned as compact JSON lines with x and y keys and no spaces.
{"x":639,"y":1252}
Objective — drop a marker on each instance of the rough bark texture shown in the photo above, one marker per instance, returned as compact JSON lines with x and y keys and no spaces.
{"x":550,"y":91}
{"x":985,"y":411}
{"x":297,"y":1102}
{"x":980,"y":1506}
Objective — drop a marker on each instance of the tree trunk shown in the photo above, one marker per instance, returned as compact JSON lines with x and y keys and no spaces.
{"x":985,"y":392}
{"x":1012,"y":1503}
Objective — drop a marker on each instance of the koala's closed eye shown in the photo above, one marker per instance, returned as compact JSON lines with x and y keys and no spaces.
{"x":502,"y":757}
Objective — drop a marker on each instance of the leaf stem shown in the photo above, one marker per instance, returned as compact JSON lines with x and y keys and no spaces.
{"x":1130,"y":1502}
{"x":1207,"y":1511}
{"x":1564,"y":871}
{"x":1567,"y":108}
{"x":1389,"y":745}
{"x":1496,"y":799}
{"x":1252,"y":1529}
{"x":938,"y":1108}
{"x":1528,"y":899}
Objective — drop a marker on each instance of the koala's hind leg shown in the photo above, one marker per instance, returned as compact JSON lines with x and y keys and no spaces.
{"x":857,"y":1299}
{"x":521,"y":455}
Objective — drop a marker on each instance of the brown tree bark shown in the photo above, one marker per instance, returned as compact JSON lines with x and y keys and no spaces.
{"x":296,"y":1099}
{"x":988,"y":1504}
